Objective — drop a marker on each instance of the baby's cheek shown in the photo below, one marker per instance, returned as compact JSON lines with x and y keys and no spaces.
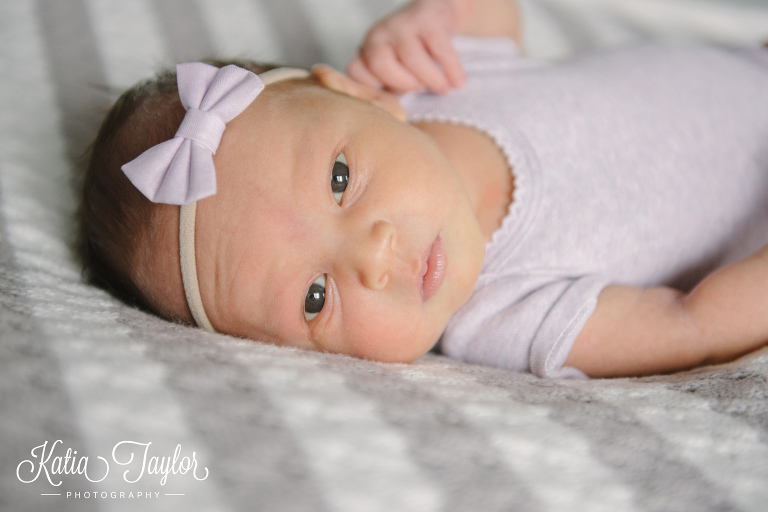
{"x":389,"y":338}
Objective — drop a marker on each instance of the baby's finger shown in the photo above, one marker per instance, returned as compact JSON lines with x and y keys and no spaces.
{"x":357,"y":71}
{"x":414,"y":56}
{"x":383,"y":63}
{"x":441,"y":49}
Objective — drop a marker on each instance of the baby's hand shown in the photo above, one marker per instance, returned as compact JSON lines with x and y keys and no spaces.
{"x":411,"y":50}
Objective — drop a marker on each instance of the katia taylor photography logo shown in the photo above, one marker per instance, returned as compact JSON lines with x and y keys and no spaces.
{"x":137,"y":461}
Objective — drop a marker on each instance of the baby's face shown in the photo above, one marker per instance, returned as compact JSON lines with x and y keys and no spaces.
{"x":399,"y":248}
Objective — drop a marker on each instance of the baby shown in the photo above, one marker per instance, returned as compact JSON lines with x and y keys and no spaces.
{"x":536,"y":217}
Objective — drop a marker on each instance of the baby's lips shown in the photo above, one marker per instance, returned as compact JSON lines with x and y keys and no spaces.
{"x":436,"y":266}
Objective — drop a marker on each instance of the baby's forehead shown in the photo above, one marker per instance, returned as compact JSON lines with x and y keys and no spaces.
{"x":306,"y":97}
{"x":287,"y":124}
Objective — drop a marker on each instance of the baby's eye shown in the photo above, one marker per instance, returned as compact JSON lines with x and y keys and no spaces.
{"x":339,"y":177}
{"x":313,"y":302}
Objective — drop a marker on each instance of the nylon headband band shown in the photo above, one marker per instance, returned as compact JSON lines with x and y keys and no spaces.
{"x":189,"y":265}
{"x":187,"y":224}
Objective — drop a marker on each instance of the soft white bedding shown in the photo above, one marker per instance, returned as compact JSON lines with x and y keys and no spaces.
{"x":280,"y":429}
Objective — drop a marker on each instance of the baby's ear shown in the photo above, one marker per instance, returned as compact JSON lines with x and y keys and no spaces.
{"x":336,"y":81}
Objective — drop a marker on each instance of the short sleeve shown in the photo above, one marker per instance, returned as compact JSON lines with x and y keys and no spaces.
{"x":524,"y":323}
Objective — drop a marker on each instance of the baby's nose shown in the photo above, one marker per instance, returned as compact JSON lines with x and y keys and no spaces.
{"x":374,"y":255}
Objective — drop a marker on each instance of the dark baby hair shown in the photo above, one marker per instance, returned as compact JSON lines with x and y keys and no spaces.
{"x":117,"y":224}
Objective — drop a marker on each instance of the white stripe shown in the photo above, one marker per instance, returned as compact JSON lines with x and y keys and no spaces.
{"x":241,"y":28}
{"x":117,"y":392}
{"x":553,"y":461}
{"x":728,"y":452}
{"x":714,"y":21}
{"x":614,"y":22}
{"x":128,"y":37}
{"x":340,"y":26}
{"x":362,"y":463}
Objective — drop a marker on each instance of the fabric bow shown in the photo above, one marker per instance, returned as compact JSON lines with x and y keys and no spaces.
{"x":180,"y":170}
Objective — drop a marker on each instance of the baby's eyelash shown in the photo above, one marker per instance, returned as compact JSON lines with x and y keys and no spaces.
{"x":315,"y":298}
{"x":339,"y":177}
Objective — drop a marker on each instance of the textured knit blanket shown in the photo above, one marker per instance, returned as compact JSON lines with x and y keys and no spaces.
{"x":103,"y":407}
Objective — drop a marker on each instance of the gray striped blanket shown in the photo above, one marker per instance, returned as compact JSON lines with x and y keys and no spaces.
{"x":103,"y":407}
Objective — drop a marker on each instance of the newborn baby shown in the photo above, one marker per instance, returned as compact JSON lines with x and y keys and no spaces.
{"x":329,"y":222}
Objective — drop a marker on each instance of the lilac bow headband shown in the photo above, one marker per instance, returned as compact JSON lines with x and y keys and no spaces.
{"x":180,"y":170}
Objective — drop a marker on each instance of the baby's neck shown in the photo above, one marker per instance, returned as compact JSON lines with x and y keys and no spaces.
{"x":482,"y":167}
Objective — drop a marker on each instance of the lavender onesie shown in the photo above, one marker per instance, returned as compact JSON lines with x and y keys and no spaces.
{"x":641,"y":166}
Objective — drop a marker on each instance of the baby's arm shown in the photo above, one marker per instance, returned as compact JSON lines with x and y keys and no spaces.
{"x":410,"y":49}
{"x":636,"y":331}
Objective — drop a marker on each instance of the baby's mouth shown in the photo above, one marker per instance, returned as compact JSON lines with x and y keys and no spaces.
{"x":434,"y":269}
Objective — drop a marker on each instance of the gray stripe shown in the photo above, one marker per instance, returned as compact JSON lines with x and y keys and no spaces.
{"x":639,"y":32}
{"x":454,"y":454}
{"x":76,"y":69}
{"x":255,"y":459}
{"x":642,"y":459}
{"x":184,"y":32}
{"x":581,"y":38}
{"x":34,"y":406}
{"x":301,"y":47}
{"x":377,"y":9}
{"x":733,"y":392}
